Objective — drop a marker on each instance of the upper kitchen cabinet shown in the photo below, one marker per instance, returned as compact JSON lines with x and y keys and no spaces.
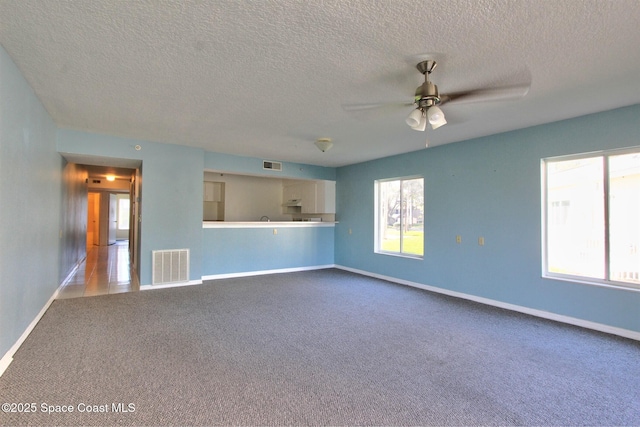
{"x":213,"y":191}
{"x":326,"y":197}
{"x":213,"y":203}
{"x":292,"y":191}
{"x":309,"y":197}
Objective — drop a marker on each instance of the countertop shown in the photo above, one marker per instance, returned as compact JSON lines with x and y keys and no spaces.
{"x":266,"y":224}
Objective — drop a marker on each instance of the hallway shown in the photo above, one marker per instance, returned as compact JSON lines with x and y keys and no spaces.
{"x":106,"y":270}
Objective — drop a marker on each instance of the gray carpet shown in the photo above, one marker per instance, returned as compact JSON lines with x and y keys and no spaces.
{"x":315,"y":348}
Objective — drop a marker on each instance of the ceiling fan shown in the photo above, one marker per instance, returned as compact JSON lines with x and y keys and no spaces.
{"x":428,"y":99}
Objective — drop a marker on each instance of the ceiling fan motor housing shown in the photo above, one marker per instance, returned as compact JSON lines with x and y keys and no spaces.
{"x":427,"y":95}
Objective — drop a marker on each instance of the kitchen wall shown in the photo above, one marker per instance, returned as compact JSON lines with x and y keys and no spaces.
{"x":246,"y":250}
{"x":248,"y":198}
{"x":32,"y":232}
{"x":488,"y":187}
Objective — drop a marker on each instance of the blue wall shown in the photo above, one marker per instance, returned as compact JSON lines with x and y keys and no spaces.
{"x":253,"y":166}
{"x":258,"y":249}
{"x":30,"y":205}
{"x":171,"y":205}
{"x":488,"y":187}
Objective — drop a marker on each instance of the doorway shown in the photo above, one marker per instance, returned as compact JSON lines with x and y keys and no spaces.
{"x":105,"y":222}
{"x":111,"y":219}
{"x":93,"y":220}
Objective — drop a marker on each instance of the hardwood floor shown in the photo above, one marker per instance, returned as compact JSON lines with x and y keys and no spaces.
{"x":106,"y":270}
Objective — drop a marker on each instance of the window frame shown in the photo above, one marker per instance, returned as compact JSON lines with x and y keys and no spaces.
{"x":606,"y":282}
{"x":377,"y":244}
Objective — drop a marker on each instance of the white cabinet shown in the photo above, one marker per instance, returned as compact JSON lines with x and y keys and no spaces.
{"x":317,"y":197}
{"x":326,"y":197}
{"x":292,"y":192}
{"x":213,"y":191}
{"x":309,"y":202}
{"x":213,"y":201}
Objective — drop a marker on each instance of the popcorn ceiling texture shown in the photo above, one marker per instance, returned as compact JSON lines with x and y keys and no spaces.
{"x":266,"y":78}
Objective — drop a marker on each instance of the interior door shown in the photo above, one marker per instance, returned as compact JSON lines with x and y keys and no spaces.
{"x":113,"y":220}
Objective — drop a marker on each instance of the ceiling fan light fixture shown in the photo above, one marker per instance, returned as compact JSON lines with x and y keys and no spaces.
{"x":437,"y":125}
{"x":414,"y":118}
{"x":436,"y":117}
{"x":422,"y":125}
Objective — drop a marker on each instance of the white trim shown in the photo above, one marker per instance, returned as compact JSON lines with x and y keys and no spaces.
{"x":544,"y":211}
{"x":8,"y":357}
{"x":170,"y":285}
{"x":587,"y":281}
{"x":72,"y":272}
{"x":267,"y":224}
{"x":627,"y":333}
{"x":263,"y":272}
{"x":5,"y":362}
{"x":399,"y":254}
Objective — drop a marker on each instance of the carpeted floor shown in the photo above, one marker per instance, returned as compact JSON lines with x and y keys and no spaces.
{"x":323,"y":347}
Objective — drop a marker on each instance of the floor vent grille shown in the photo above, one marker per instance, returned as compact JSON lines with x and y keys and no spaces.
{"x":170,"y":266}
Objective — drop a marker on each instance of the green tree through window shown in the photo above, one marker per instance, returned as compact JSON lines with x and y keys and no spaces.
{"x":400,"y":216}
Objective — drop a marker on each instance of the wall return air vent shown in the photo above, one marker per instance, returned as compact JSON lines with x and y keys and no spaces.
{"x":170,"y":266}
{"x":276,"y":166}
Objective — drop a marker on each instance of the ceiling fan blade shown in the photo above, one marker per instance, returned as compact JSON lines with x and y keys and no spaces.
{"x":504,"y":93}
{"x":375,"y":105}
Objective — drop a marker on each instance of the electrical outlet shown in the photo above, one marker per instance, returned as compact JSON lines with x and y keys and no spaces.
{"x":458,"y":239}
{"x":349,"y":231}
{"x":481,"y":241}
{"x":275,"y":231}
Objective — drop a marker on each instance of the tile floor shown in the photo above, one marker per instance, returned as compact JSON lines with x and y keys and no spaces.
{"x":106,"y":270}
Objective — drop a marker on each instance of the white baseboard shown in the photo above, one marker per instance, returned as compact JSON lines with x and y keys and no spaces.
{"x":8,"y":357}
{"x":234,"y":275}
{"x":627,"y":333}
{"x":170,"y":285}
{"x":72,"y":272}
{"x":263,"y":272}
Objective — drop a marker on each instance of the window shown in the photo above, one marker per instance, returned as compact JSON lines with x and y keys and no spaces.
{"x":592,"y":217}
{"x":400,"y":217}
{"x":123,"y":214}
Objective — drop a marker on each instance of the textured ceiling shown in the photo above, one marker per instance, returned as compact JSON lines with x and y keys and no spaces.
{"x":266,"y":78}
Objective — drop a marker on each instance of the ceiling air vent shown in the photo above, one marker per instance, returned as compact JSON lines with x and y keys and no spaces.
{"x":276,"y":166}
